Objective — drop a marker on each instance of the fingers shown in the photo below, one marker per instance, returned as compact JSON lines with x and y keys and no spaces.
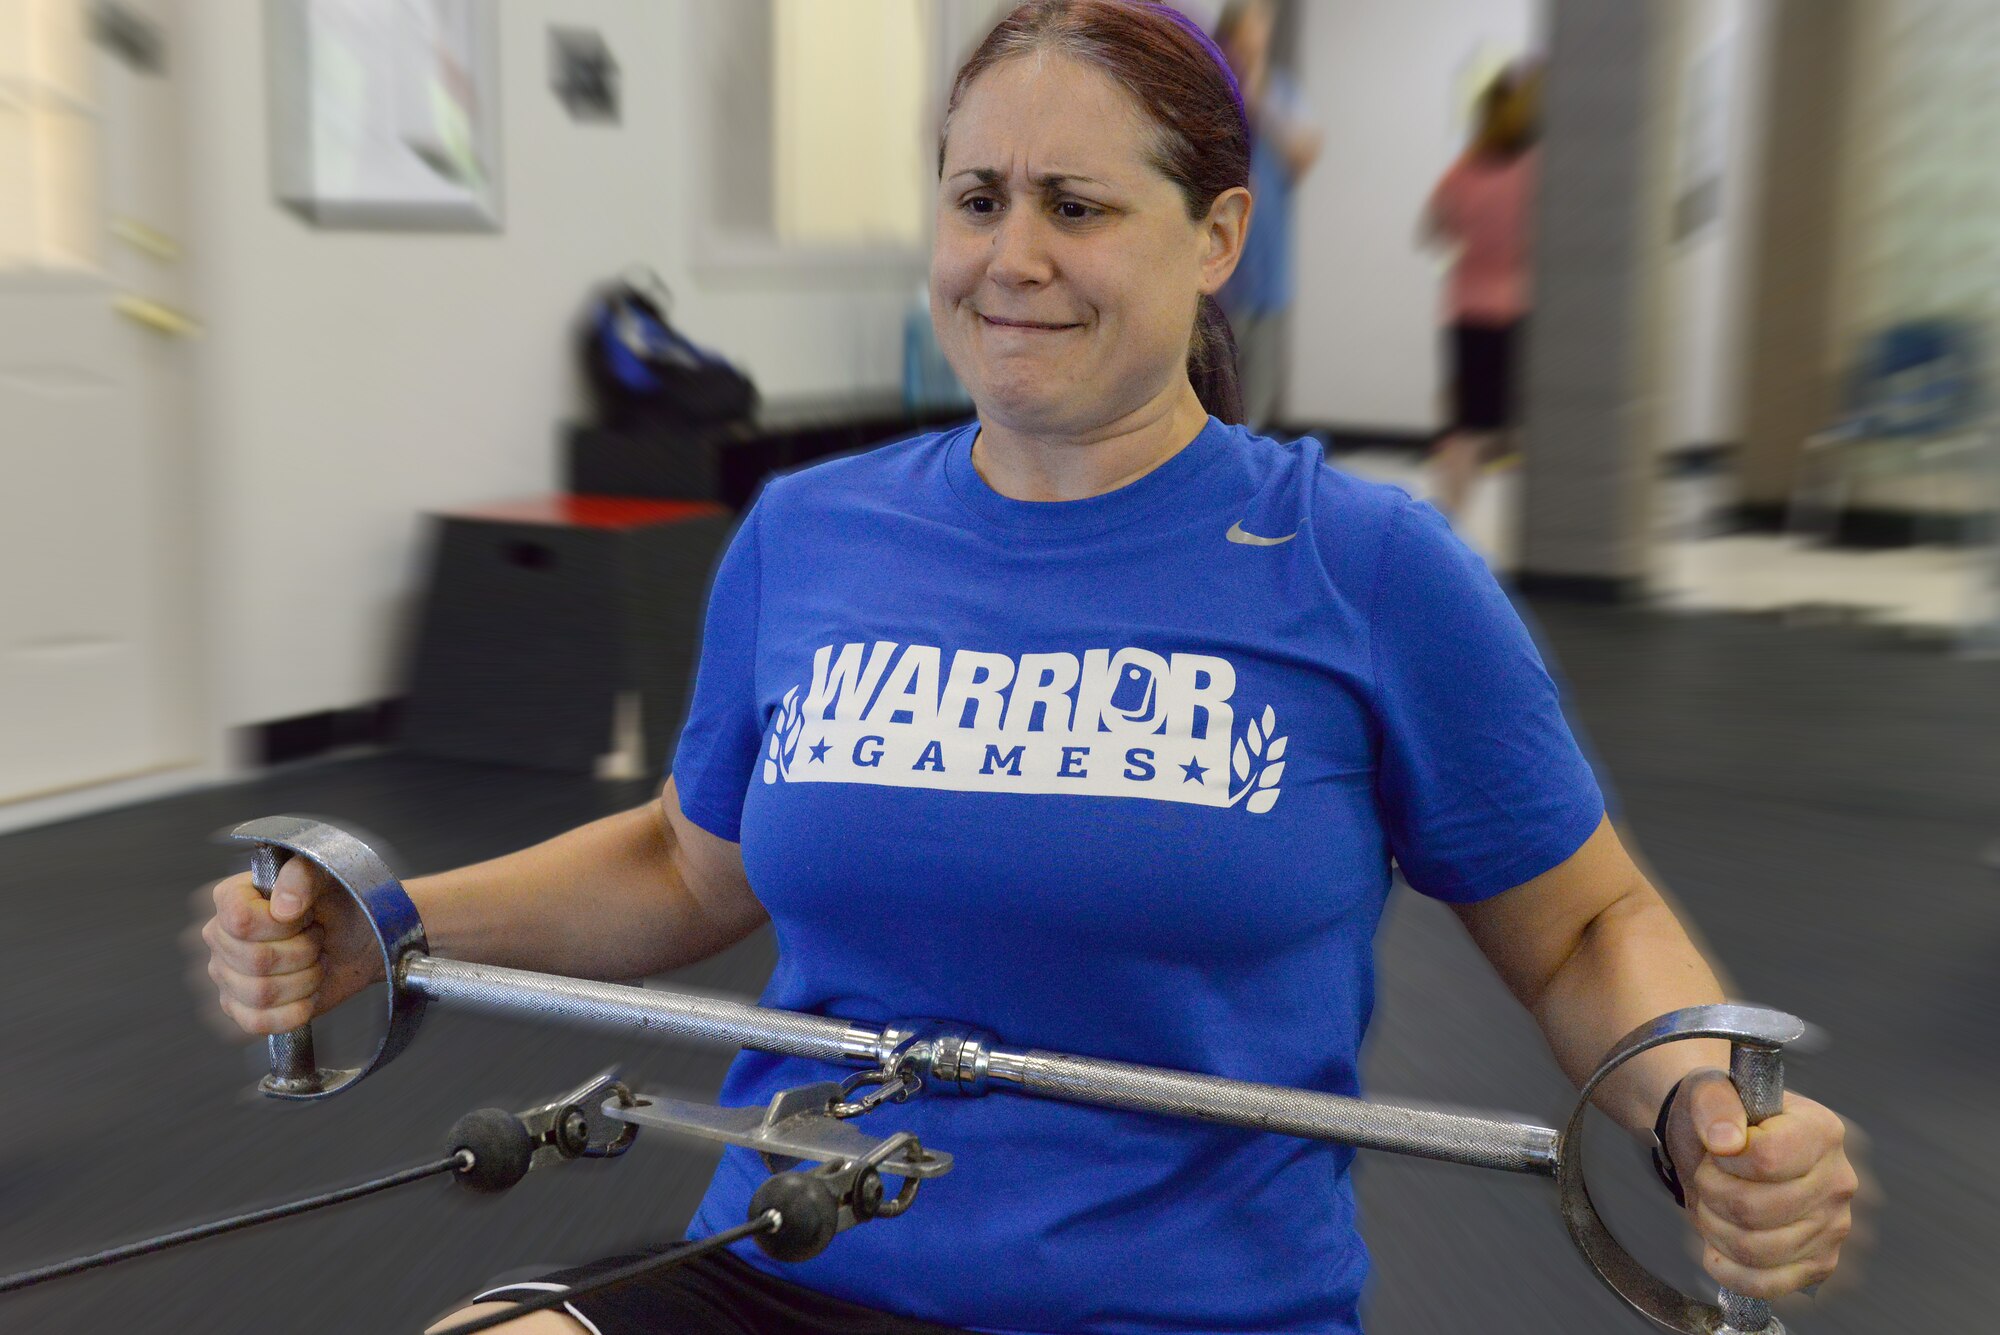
{"x":1768,"y":1205}
{"x":289,"y":955}
{"x":1798,"y":1241}
{"x":1774,"y":1212}
{"x":1787,"y":1146}
{"x":244,"y":914}
{"x":260,"y":992}
{"x":1757,"y":1282}
{"x":299,"y":882}
{"x":1716,"y":1112}
{"x":267,"y":973}
{"x":267,"y":1020}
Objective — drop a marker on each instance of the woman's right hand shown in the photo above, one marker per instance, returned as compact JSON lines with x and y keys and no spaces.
{"x":277,"y":964}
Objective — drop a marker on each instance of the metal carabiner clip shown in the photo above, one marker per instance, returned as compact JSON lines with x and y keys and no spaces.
{"x":896,"y":1080}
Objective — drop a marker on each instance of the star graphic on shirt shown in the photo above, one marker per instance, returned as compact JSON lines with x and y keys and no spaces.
{"x":819,"y":750}
{"x":1194,"y":771}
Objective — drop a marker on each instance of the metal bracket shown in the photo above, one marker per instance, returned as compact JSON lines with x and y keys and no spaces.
{"x":576,"y":1126}
{"x":795,"y":1127}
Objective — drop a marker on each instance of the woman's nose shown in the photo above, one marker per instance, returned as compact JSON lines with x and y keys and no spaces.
{"x":1020,"y":256}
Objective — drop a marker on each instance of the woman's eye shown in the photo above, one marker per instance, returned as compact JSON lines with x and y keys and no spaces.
{"x":981,"y":206}
{"x":1075,"y":210}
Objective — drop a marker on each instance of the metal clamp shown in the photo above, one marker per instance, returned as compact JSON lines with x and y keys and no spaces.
{"x":801,"y":1125}
{"x":1758,"y":1036}
{"x":399,"y":932}
{"x":576,"y":1125}
{"x":797,"y":1126}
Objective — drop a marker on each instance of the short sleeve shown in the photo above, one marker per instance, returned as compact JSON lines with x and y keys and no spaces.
{"x":717,"y":754}
{"x":1481,"y":783}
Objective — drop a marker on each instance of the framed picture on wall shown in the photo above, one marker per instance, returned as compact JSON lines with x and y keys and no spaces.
{"x":385,"y":113}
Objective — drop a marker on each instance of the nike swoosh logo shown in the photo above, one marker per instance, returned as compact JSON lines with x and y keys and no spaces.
{"x":1236,"y":534}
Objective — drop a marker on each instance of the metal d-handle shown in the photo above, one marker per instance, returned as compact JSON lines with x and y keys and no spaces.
{"x":294,"y":1071}
{"x":1757,"y":1037}
{"x":399,"y":933}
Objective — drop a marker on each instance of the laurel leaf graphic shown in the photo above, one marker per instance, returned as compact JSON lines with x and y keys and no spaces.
{"x":1241,"y":761}
{"x":1254,"y":737}
{"x":1277,"y":751}
{"x":1270,"y":720}
{"x":1269,"y":776}
{"x":773,"y":747}
{"x":1262,"y":800}
{"x":770,"y":771}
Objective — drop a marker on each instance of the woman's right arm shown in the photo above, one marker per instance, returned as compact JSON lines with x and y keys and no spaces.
{"x":633,"y":894}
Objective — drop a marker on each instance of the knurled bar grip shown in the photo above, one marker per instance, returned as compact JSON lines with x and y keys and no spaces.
{"x":698,"y":1019}
{"x":293,"y":1068}
{"x":1759,"y":1076}
{"x":1477,"y":1142}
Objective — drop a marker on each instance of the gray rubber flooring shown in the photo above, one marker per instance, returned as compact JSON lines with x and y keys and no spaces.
{"x":1817,"y":799}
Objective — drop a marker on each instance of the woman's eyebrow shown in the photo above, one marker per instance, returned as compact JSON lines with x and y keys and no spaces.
{"x":1046,"y":180}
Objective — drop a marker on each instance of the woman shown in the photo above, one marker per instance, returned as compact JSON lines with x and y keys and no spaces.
{"x":1482,"y":209}
{"x":1096,"y":723}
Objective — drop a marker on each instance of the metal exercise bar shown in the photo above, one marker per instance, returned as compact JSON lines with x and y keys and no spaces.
{"x":968,"y":1063}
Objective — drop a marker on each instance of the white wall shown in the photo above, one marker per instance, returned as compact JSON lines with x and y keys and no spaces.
{"x":1380,"y":78}
{"x":350,"y":381}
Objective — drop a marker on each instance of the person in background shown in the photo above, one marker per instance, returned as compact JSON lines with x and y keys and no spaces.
{"x":1482,"y":211}
{"x":1283,"y":147}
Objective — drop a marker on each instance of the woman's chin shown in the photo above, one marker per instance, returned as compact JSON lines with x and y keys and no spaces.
{"x":1024,"y":409}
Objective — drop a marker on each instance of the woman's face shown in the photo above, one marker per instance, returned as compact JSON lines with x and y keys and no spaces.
{"x":1066,"y":273}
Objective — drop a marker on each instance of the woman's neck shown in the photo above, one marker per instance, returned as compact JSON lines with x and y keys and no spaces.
{"x":1071,"y":466}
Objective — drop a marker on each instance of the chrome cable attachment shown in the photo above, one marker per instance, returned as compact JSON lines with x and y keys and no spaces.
{"x":893,"y":1082}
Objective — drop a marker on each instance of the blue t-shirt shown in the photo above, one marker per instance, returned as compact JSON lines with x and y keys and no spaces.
{"x":1095,"y":778}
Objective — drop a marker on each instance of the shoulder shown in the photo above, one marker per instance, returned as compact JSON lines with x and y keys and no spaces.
{"x":897,"y":472}
{"x":1347,"y":522}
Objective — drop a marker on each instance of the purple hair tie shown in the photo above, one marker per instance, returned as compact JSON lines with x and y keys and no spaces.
{"x":1215,"y":53}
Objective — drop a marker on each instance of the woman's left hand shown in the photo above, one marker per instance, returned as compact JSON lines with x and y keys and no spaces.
{"x":1773,"y":1202}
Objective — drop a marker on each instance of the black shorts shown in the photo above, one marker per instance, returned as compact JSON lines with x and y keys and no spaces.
{"x":1483,"y":368}
{"x":714,"y":1294}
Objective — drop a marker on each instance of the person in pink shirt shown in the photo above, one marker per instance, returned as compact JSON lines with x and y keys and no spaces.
{"x":1482,"y":210}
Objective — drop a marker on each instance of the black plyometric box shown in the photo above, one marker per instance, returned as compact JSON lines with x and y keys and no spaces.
{"x":665,"y":465}
{"x":728,"y":463}
{"x":562,"y":633}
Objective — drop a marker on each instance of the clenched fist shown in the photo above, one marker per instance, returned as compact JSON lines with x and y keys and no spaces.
{"x":276,"y":965}
{"x":1772,"y":1202}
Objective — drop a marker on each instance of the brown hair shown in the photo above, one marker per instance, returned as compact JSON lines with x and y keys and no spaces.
{"x":1201,"y":142}
{"x":1507,"y":115}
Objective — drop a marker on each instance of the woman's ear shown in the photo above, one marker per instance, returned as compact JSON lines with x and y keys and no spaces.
{"x":1223,"y":233}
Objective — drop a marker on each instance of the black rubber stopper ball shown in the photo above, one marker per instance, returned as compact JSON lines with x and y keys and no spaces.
{"x":811,"y":1215}
{"x":501,"y":1148}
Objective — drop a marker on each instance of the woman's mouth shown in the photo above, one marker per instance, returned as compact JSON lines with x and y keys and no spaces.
{"x":1034,"y":326}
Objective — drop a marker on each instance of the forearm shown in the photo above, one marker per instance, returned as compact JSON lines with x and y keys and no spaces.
{"x":605,"y":900}
{"x":1633,"y":964}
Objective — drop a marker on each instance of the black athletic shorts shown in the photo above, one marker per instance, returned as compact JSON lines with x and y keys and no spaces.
{"x":1483,"y":367}
{"x":714,"y":1294}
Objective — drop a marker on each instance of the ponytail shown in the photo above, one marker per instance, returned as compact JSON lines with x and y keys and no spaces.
{"x":1211,"y":364}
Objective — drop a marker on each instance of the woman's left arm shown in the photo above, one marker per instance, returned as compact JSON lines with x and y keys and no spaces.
{"x":1593,"y":951}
